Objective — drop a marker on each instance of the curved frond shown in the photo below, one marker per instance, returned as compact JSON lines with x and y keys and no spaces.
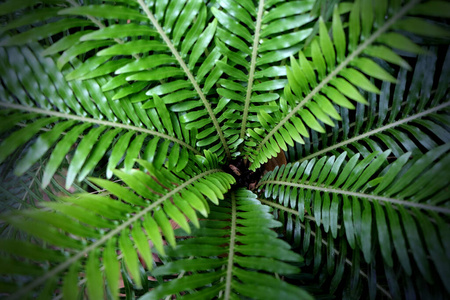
{"x":242,"y":251}
{"x":415,"y":123}
{"x":87,"y":227}
{"x":348,"y":198}
{"x":146,"y":60}
{"x":256,"y":38}
{"x":61,"y":115}
{"x":336,"y":112}
{"x":335,"y":72}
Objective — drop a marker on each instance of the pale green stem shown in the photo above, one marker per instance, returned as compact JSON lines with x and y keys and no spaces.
{"x":375,"y":131}
{"x":231,"y":248}
{"x":252,"y":68}
{"x":98,"y":122}
{"x":360,"y":195}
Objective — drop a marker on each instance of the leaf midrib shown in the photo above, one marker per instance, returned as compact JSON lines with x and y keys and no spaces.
{"x":231,"y":248}
{"x":26,"y":289}
{"x":189,"y":75}
{"x":99,"y":122}
{"x":370,"y":197}
{"x":377,"y":130}
{"x":336,"y":71}
{"x":252,"y":68}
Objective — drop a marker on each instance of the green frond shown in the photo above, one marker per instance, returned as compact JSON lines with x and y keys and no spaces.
{"x":92,"y":226}
{"x":243,"y":256}
{"x":349,"y":197}
{"x":61,"y":116}
{"x":264,"y":34}
{"x":122,"y":119}
{"x":338,"y":67}
{"x":415,"y":123}
{"x":145,"y":61}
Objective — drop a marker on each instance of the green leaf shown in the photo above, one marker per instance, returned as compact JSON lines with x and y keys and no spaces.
{"x":163,"y":114}
{"x":118,"y":151}
{"x":142,"y":244}
{"x":130,"y":257}
{"x":422,"y":27}
{"x":358,"y":79}
{"x":231,"y":71}
{"x":70,"y":285}
{"x":21,"y":136}
{"x":400,"y":42}
{"x":94,"y":276}
{"x":387,"y":54}
{"x":398,"y":238}
{"x":40,"y":147}
{"x":133,"y":47}
{"x":366,"y":231}
{"x":153,"y":233}
{"x":415,"y":243}
{"x":326,"y":45}
{"x":369,"y":67}
{"x":180,"y":284}
{"x":60,"y":151}
{"x":119,"y":31}
{"x":163,"y":222}
{"x":82,"y":152}
{"x":348,"y":223}
{"x":338,"y":36}
{"x":383,"y":234}
{"x":432,"y":8}
{"x":112,"y":268}
{"x":43,"y":31}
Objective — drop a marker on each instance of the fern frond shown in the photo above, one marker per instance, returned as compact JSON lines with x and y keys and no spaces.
{"x":198,"y":119}
{"x":330,"y":256}
{"x":243,"y":255}
{"x":393,"y":195}
{"x":146,"y":61}
{"x":416,"y":121}
{"x":87,"y":87}
{"x":336,"y":75}
{"x":87,"y":225}
{"x":46,"y":102}
{"x":253,"y":77}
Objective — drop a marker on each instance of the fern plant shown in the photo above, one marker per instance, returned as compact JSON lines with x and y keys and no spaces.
{"x":224,"y":149}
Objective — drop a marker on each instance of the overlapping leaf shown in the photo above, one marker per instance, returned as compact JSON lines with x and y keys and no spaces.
{"x":56,"y":115}
{"x":98,"y":224}
{"x":160,"y":79}
{"x":160,"y":49}
{"x":234,"y":253}
{"x":338,"y":67}
{"x":256,"y":38}
{"x":348,"y":198}
{"x":416,"y":122}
